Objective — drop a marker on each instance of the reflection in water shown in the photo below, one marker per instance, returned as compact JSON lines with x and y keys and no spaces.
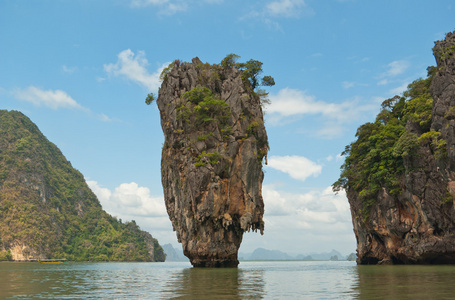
{"x":25,"y":280}
{"x":252,"y":280}
{"x":230,"y":283}
{"x":406,"y":282}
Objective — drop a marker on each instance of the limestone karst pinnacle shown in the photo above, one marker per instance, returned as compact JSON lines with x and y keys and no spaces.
{"x":211,"y":165}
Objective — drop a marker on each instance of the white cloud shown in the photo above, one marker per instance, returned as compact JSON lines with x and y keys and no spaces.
{"x":54,"y":99}
{"x":315,"y":207}
{"x":383,"y":82}
{"x":134,"y":67}
{"x":394,"y":69}
{"x":104,"y":118}
{"x":166,"y":7}
{"x":129,"y":201}
{"x":298,"y":167}
{"x":284,"y":8}
{"x":348,"y":84}
{"x":148,"y":2}
{"x":400,"y":89}
{"x":289,"y":102}
{"x":276,"y":9}
{"x":351,"y":84}
{"x":397,"y":67}
{"x":69,"y":70}
{"x":318,"y":220}
{"x":296,"y":103}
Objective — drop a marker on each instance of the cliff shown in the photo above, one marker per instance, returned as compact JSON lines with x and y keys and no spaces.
{"x":211,"y":166}
{"x":400,"y":173}
{"x":48,"y":211}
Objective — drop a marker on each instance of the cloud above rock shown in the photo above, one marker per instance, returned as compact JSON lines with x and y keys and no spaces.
{"x":133,"y":67}
{"x":54,"y":99}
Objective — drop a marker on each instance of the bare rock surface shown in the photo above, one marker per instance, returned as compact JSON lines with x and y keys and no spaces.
{"x":211,"y":166}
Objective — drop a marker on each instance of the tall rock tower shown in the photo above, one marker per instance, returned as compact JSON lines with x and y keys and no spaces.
{"x":211,"y":165}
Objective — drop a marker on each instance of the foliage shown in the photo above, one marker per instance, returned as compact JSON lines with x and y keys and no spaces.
{"x":437,"y":143}
{"x":211,"y":109}
{"x":5,"y":256}
{"x":450,"y":113}
{"x":230,"y":60}
{"x":168,"y":69}
{"x":251,"y":70}
{"x":444,"y":53}
{"x":210,"y":75}
{"x":418,"y":108}
{"x":267,"y":81}
{"x":197,"y":94}
{"x":406,"y":145}
{"x":250,"y":74}
{"x":376,"y":159}
{"x":150,"y":98}
{"x":208,"y":158}
{"x":46,"y":204}
{"x":203,"y":108}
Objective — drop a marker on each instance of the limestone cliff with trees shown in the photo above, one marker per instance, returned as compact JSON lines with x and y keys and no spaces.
{"x":214,"y":148}
{"x":399,"y":174}
{"x":48,"y":211}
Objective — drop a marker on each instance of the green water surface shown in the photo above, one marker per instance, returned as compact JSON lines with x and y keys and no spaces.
{"x":252,"y":280}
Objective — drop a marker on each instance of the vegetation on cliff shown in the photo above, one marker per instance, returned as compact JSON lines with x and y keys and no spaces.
{"x":213,"y":75}
{"x":376,"y":159}
{"x":48,"y":211}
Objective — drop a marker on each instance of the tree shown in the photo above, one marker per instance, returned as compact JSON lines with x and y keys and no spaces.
{"x":150,"y":98}
{"x":376,"y":159}
{"x":268,"y":81}
{"x":251,"y":70}
{"x":230,"y":60}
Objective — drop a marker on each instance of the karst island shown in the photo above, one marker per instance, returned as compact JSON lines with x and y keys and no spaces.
{"x":399,"y":174}
{"x":214,"y":148}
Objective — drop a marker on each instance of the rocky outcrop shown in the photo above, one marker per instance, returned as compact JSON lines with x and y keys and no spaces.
{"x":418,"y":224}
{"x":211,"y":166}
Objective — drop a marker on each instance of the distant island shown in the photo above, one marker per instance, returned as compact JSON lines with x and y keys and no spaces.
{"x":47,"y":211}
{"x":261,"y":254}
{"x":265,"y":254}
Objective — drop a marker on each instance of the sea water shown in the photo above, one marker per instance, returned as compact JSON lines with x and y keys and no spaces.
{"x":251,"y":280}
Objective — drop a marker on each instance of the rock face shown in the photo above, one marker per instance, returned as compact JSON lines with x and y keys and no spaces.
{"x":211,"y":166}
{"x":418,"y":225}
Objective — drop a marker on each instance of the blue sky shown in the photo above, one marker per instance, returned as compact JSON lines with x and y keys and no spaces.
{"x":81,"y":71}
